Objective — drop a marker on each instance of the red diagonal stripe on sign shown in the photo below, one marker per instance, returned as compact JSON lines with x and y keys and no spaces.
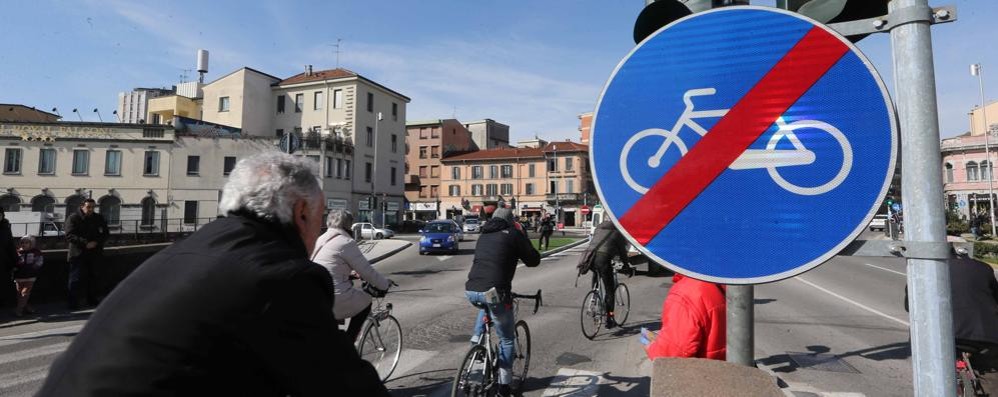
{"x":783,"y":85}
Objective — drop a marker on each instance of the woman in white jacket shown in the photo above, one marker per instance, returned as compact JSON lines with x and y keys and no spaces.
{"x":337,"y":251}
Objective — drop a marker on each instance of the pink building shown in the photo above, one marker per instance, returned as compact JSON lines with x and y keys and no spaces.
{"x":966,"y":171}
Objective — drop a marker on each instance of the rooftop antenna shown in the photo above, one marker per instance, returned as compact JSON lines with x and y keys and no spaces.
{"x":337,"y":51}
{"x":453,"y":114}
{"x":184,"y":75}
{"x":202,"y":65}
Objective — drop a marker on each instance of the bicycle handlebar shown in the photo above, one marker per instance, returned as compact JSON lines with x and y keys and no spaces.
{"x":538,"y":300}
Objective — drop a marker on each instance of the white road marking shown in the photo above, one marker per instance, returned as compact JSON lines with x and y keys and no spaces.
{"x":574,"y":382}
{"x":860,"y":305}
{"x":444,"y":257}
{"x":29,"y":353}
{"x":887,"y":270}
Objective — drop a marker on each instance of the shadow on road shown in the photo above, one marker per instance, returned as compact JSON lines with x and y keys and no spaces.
{"x":627,"y":330}
{"x":431,"y":383}
{"x":894,"y":351}
{"x":421,"y":273}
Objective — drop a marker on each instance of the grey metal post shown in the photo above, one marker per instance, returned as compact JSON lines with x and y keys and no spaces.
{"x":740,"y":338}
{"x":931,"y":318}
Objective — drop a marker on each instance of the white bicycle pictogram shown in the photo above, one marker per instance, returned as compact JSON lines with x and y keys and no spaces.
{"x":769,"y":158}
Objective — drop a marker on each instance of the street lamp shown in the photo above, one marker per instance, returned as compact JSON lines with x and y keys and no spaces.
{"x":374,"y":171}
{"x":975,"y":70}
{"x":557,"y":202}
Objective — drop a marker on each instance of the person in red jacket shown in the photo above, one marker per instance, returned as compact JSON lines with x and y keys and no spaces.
{"x":693,"y":321}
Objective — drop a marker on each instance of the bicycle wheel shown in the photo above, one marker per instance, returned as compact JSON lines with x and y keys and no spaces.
{"x":521,"y":356}
{"x":964,"y":383}
{"x":474,"y":376}
{"x":622,"y":304}
{"x":591,"y":314}
{"x":381,"y":345}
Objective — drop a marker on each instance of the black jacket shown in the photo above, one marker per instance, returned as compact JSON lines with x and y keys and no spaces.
{"x":499,"y":248}
{"x":974,"y":293}
{"x":81,"y":229}
{"x":8,"y":252}
{"x":547,"y":225}
{"x":236,"y":309}
{"x":610,"y":241}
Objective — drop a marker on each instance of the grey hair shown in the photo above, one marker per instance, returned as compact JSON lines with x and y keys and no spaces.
{"x":339,"y":219}
{"x":268,"y":185}
{"x":29,"y":238}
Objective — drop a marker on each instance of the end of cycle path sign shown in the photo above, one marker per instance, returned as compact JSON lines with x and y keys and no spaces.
{"x":743,"y":145}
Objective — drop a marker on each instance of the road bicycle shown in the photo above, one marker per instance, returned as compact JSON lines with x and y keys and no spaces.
{"x":478,"y":374}
{"x":593,"y":313}
{"x":770,"y":158}
{"x":967,"y":383}
{"x":381,"y":339}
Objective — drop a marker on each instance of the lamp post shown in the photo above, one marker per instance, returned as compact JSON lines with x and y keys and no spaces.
{"x":374,"y":172}
{"x":975,"y":70}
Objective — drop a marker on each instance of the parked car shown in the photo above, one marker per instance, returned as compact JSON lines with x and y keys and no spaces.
{"x":472,"y":225}
{"x":879,"y":222}
{"x":439,"y":236}
{"x":369,"y":231}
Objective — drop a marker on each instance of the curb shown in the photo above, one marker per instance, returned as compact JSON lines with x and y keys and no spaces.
{"x":564,"y":248}
{"x":389,"y":253}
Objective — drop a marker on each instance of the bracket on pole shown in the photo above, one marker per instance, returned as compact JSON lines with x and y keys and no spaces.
{"x":906,"y":249}
{"x":885,"y":23}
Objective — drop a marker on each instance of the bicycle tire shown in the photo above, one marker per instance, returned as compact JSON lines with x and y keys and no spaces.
{"x":381,"y":345}
{"x":521,"y":355}
{"x":622,"y":304}
{"x":471,"y":379}
{"x":964,"y":383}
{"x":591,"y":314}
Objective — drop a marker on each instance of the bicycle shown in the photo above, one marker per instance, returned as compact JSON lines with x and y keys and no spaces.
{"x":478,"y":374}
{"x":593,"y":311}
{"x":769,"y":158}
{"x":967,"y":383}
{"x":381,"y":339}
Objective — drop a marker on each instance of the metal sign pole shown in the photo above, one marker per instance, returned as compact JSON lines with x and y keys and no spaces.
{"x":932,"y":342}
{"x":740,"y":324}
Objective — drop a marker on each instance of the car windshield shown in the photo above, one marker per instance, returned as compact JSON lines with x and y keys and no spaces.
{"x":471,"y":221}
{"x":438,"y":228}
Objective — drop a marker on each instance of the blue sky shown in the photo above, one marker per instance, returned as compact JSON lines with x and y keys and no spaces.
{"x":534,"y":65}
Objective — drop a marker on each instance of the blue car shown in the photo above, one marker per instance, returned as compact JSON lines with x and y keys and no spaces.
{"x":439,"y":236}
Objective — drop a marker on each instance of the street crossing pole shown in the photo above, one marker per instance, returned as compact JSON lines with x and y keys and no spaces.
{"x":740,"y":324}
{"x":931,"y":317}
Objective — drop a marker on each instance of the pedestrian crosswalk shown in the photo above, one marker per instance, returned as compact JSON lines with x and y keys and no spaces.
{"x":25,"y":358}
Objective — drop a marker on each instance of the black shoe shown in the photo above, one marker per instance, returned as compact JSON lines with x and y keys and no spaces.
{"x":611,"y":323}
{"x":505,"y":391}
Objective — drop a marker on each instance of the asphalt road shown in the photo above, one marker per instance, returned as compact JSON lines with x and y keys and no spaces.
{"x":838,"y":328}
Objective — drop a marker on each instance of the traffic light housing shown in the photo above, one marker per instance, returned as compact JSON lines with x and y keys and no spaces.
{"x":834,"y":11}
{"x":656,"y":15}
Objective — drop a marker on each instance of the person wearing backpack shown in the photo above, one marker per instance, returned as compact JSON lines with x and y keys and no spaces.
{"x":607,"y":243}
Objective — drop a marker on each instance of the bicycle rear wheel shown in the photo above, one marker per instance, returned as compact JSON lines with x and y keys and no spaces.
{"x":964,"y":383}
{"x":521,"y":356}
{"x":474,"y":376}
{"x":622,"y":304}
{"x":592,"y":314}
{"x":381,"y":345}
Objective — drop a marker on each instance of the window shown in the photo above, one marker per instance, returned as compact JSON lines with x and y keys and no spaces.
{"x":193,"y":165}
{"x":491,"y":189}
{"x":395,"y":143}
{"x":12,"y":161}
{"x":422,"y":171}
{"x":150,"y":166}
{"x":81,"y":162}
{"x":971,"y":171}
{"x":228,"y":163}
{"x":476,"y":172}
{"x":370,"y":102}
{"x":435,"y":152}
{"x":424,"y":191}
{"x":279,"y":132}
{"x":190,"y":212}
{"x":434,"y":171}
{"x":11,"y":203}
{"x":393,"y":176}
{"x":299,"y":101}
{"x":422,"y":133}
{"x":112,"y":162}
{"x":110,"y":209}
{"x":434,"y":191}
{"x":155,"y":118}
{"x":280,"y":103}
{"x":529,"y":188}
{"x":422,"y":152}
{"x":317,"y":100}
{"x":568,"y":163}
{"x":370,"y":137}
{"x":493,"y":171}
{"x":553,"y":188}
{"x":72,"y":204}
{"x":552,"y":165}
{"x":223,"y":104}
{"x":339,"y":168}
{"x":395,"y":111}
{"x":454,"y":190}
{"x":368,"y":171}
{"x":530,"y":170}
{"x":148,"y":211}
{"x":476,"y":190}
{"x":986,"y":171}
{"x":435,"y":132}
{"x":42,"y":203}
{"x":329,"y":167}
{"x":507,"y":171}
{"x":337,"y":99}
{"x":46,"y":162}
{"x":569,"y":186}
{"x":506,"y":189}
{"x":949,"y":173}
{"x":455,"y":173}
{"x":346,"y":169}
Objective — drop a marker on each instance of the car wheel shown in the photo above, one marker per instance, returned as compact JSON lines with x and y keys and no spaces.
{"x":378,"y":236}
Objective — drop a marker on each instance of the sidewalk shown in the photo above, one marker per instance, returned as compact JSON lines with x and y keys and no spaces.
{"x":377,"y":250}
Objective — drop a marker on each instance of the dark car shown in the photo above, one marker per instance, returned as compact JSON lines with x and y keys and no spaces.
{"x":411,"y":226}
{"x":439,"y":236}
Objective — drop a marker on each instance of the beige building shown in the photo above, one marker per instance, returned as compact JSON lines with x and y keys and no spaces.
{"x":241,"y":99}
{"x":427,"y":142}
{"x":488,"y":134}
{"x":976,"y":116}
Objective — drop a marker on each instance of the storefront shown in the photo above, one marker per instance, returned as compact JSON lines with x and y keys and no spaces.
{"x":425,"y":211}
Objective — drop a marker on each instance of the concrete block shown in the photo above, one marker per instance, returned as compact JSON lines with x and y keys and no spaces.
{"x":703,"y":377}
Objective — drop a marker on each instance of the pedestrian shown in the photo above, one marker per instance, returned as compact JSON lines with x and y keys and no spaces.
{"x":26,"y":270}
{"x":86,"y":232}
{"x":235,"y":309}
{"x":8,"y":256}
{"x":606,"y":244}
{"x":547,"y":229}
{"x":337,"y":251}
{"x":693,"y":321}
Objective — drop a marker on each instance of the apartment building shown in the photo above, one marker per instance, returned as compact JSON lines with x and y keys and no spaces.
{"x":968,"y":166}
{"x":585,"y":127}
{"x":427,"y":142}
{"x":489,"y":134}
{"x":133,"y":106}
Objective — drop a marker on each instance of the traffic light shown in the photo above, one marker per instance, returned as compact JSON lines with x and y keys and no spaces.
{"x":890,"y":201}
{"x":656,"y":15}
{"x":834,"y":11}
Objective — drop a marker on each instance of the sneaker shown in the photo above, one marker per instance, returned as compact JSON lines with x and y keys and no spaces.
{"x":610,"y":323}
{"x":505,"y":391}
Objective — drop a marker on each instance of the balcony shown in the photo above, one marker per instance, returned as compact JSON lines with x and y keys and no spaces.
{"x":564,"y":197}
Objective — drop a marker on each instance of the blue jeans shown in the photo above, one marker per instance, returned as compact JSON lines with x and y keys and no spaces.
{"x":502,"y":319}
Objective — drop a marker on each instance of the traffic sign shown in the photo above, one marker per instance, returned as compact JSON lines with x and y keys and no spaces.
{"x":743,"y":145}
{"x":963,"y":203}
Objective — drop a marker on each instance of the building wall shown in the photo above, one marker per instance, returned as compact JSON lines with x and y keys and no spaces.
{"x":232,"y":86}
{"x":133,"y":106}
{"x":437,"y":140}
{"x":489,"y":134}
{"x":967,"y":195}
{"x":585,"y":127}
{"x":258,"y":105}
{"x":173,"y":105}
{"x":976,"y":118}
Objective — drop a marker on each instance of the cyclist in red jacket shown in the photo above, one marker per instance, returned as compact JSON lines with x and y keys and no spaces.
{"x":693,"y":321}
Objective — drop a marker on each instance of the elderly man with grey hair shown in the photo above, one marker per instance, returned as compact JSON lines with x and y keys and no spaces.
{"x":236,"y":309}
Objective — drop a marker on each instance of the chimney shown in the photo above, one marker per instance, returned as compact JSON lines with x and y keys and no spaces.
{"x":308,"y":70}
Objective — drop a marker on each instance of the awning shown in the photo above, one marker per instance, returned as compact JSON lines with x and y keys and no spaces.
{"x":489,"y":209}
{"x":476,"y":208}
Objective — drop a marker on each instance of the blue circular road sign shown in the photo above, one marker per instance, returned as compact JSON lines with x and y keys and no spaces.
{"x":743,"y":145}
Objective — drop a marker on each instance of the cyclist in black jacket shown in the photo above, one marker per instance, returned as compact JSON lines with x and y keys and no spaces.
{"x":500,"y":246}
